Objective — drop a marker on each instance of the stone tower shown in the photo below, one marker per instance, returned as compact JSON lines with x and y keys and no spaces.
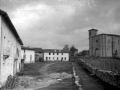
{"x":92,"y":33}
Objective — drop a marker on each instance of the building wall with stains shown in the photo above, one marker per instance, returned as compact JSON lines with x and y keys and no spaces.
{"x":108,"y":46}
{"x":29,"y":55}
{"x":10,"y":50}
{"x":104,"y":45}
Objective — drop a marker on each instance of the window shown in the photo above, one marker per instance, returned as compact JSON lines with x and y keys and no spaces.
{"x":46,"y":58}
{"x":49,"y":57}
{"x":30,"y":58}
{"x":108,"y":41}
{"x":17,"y":52}
{"x":24,"y":50}
{"x":65,"y":58}
{"x":53,"y":53}
{"x":24,"y":56}
{"x":96,"y":41}
{"x":57,"y":53}
{"x":107,"y":49}
{"x":19,"y":66}
{"x":4,"y":37}
{"x":53,"y":58}
{"x":89,"y":33}
{"x":57,"y":58}
{"x":49,"y":53}
{"x":62,"y":53}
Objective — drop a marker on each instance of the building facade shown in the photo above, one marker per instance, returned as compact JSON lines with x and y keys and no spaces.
{"x":10,"y":48}
{"x":38,"y":54}
{"x":103,"y":45}
{"x":28,"y":54}
{"x":55,"y":55}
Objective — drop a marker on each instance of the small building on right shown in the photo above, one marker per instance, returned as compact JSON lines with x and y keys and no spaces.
{"x":103,"y":45}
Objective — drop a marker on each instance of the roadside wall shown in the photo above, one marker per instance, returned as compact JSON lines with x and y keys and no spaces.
{"x":106,"y":75}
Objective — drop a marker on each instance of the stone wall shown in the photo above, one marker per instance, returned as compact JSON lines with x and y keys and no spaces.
{"x":72,"y":59}
{"x":105,"y":75}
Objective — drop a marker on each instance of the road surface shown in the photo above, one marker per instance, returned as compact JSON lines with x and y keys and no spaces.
{"x":59,"y":76}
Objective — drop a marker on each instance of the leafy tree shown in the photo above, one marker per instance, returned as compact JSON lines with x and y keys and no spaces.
{"x":73,"y":51}
{"x":84,"y":52}
{"x":66,"y":48}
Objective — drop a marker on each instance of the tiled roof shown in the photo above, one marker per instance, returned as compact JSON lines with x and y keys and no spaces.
{"x":93,"y":29}
{"x":55,"y":50}
{"x":110,"y":34}
{"x":33,"y":48}
{"x":107,"y":35}
{"x":27,"y":48}
{"x":38,"y":49}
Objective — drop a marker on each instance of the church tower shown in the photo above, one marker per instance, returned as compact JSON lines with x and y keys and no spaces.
{"x":92,"y":33}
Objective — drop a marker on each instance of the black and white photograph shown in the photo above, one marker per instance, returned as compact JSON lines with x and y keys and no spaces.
{"x":59,"y":44}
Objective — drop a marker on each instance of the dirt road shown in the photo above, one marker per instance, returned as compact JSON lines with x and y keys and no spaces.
{"x":59,"y":76}
{"x":48,"y":76}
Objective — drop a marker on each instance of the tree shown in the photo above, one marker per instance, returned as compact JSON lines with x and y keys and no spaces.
{"x":66,"y":48}
{"x":73,"y":51}
{"x":84,"y":53}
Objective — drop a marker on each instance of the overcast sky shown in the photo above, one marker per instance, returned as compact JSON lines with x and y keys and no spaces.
{"x":54,"y":23}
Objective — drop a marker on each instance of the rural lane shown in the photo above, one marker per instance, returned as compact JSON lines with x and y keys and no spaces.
{"x":59,"y":76}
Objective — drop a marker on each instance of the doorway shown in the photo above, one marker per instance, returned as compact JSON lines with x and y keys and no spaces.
{"x":46,"y":58}
{"x":97,"y":52}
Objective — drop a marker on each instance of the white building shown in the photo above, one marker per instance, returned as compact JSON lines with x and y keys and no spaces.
{"x":55,"y":55}
{"x":28,"y":54}
{"x":10,"y":48}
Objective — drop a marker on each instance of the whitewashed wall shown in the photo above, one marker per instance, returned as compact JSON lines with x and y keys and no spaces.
{"x":8,"y":46}
{"x":30,"y":56}
{"x":54,"y":57}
